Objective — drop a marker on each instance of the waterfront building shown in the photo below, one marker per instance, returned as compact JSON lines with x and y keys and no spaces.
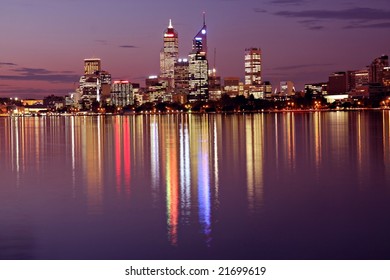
{"x":31,"y":102}
{"x":317,"y":88}
{"x":156,"y":89}
{"x":231,"y":86}
{"x":198,"y":67}
{"x":253,"y":67}
{"x":369,"y":90}
{"x":105,"y":85}
{"x":287,"y":89}
{"x":54,"y":102}
{"x":386,"y":78}
{"x":358,"y":78}
{"x":91,"y":65}
{"x":95,"y":84}
{"x":338,"y":83}
{"x":267,"y":89}
{"x":376,"y":69}
{"x":181,"y":76}
{"x":122,"y":93}
{"x":215,"y":86}
{"x":169,"y":55}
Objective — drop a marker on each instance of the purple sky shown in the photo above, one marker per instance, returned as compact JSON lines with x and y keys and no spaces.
{"x":43,"y":42}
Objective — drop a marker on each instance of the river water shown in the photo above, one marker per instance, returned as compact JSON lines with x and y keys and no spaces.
{"x":263,"y":186}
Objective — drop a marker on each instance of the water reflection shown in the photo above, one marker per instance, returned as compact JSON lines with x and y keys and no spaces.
{"x":255,"y":161}
{"x":185,"y":171}
{"x":190,"y":179}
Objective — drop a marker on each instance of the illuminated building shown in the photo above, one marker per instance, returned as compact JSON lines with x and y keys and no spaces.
{"x":90,"y":88}
{"x":253,"y":66}
{"x":156,"y":89}
{"x":95,"y":84}
{"x":215,"y":87}
{"x":91,"y":65}
{"x":122,"y":93}
{"x":376,"y":69}
{"x":267,"y":89}
{"x":198,"y":67}
{"x":358,"y":78}
{"x":105,"y":84}
{"x":169,"y":54}
{"x":317,"y":88}
{"x":386,"y":78}
{"x":287,"y":88}
{"x":181,"y":76}
{"x":231,"y":86}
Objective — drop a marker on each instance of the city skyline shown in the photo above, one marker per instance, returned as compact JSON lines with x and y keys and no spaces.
{"x":301,"y":41}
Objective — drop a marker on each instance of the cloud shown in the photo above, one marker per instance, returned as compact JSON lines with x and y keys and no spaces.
{"x":32,"y":71}
{"x":128,"y":46}
{"x":257,"y":10}
{"x":288,"y":2}
{"x":312,"y":24}
{"x":40,"y":74}
{"x":356,"y":17}
{"x":364,"y":14}
{"x":7,"y":64}
{"x":301,"y":66}
{"x":317,"y":27}
{"x":102,"y":42}
{"x":32,"y":92}
{"x":374,"y":25}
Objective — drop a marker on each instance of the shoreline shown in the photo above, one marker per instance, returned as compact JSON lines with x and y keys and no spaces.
{"x":241,"y":112}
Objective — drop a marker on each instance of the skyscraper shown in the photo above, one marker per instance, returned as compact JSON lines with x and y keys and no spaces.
{"x":91,"y":65}
{"x":198,"y":66}
{"x":181,"y":76}
{"x":169,"y":54}
{"x":122,"y":93}
{"x":253,"y":67}
{"x":95,"y":84}
{"x":376,"y":69}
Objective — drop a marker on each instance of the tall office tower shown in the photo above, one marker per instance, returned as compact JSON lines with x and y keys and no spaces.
{"x":169,"y":54}
{"x":215,"y":86}
{"x":181,"y":76}
{"x":376,"y":69}
{"x":95,"y":84}
{"x":122,"y":93}
{"x":91,"y":65}
{"x":253,"y":66}
{"x":198,"y":66}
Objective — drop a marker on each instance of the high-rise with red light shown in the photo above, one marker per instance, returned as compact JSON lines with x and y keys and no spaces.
{"x":169,"y":54}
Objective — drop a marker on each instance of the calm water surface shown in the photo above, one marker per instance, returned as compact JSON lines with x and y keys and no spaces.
{"x":265,"y":186}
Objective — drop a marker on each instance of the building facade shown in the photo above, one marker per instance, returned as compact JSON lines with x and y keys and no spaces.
{"x":253,"y":67}
{"x":92,"y":65}
{"x":122,"y":93}
{"x":169,"y":54}
{"x":198,"y":67}
{"x":377,"y":68}
{"x":181,"y":77}
{"x":338,"y":83}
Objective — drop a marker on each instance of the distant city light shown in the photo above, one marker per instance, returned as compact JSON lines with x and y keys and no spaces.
{"x":203,"y":31}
